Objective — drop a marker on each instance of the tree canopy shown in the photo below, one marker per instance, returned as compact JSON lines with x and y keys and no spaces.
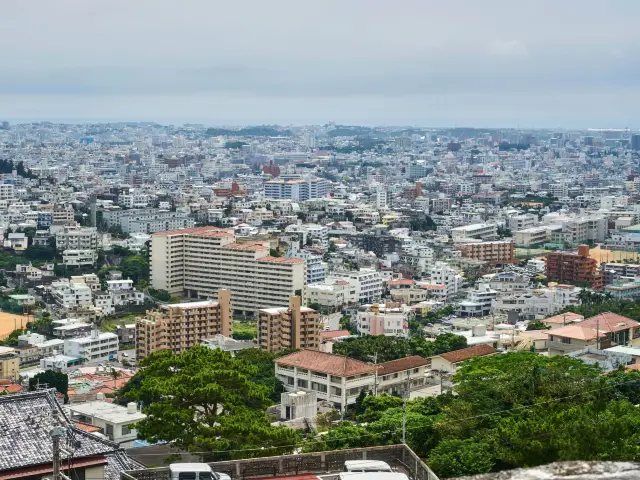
{"x":392,"y":348}
{"x":57,"y":380}
{"x":510,"y":410}
{"x":207,"y":400}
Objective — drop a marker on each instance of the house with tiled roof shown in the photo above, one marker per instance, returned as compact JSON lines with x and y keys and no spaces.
{"x":562,"y":320}
{"x":334,"y":378}
{"x":26,"y":448}
{"x":398,"y":376}
{"x":601,"y":331}
{"x":340,"y":379}
{"x":449,"y":362}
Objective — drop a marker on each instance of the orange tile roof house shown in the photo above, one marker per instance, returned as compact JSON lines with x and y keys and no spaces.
{"x":448,"y":362}
{"x":396,"y":376}
{"x":602,"y":331}
{"x":562,"y":320}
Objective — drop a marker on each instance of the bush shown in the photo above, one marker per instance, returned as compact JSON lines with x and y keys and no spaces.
{"x":456,"y":458}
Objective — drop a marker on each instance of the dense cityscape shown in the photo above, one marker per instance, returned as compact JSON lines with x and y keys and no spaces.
{"x":340,"y":240}
{"x":218,"y":293}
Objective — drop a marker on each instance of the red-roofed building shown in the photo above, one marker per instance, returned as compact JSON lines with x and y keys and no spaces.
{"x":334,"y":378}
{"x":602,"y":331}
{"x":448,"y":362}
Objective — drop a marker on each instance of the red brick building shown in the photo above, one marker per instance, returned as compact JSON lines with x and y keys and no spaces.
{"x":574,"y":267}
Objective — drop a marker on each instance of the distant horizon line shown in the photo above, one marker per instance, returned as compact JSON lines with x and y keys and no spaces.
{"x":205,"y":123}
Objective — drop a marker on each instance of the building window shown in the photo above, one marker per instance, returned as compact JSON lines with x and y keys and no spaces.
{"x":127,"y":429}
{"x":565,"y":340}
{"x":109,"y":430}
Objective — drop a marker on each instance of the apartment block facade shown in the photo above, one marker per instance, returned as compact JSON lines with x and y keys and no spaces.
{"x":495,"y":253}
{"x":574,"y":267}
{"x":293,"y":327}
{"x":77,"y":238}
{"x":180,"y":326}
{"x":197,"y":262}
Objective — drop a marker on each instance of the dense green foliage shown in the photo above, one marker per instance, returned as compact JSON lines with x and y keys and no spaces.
{"x":207,"y":400}
{"x":537,"y":325}
{"x":11,"y":306}
{"x":7,"y":166}
{"x":51,"y":379}
{"x":161,"y":295}
{"x":39,"y":253}
{"x":11,"y":340}
{"x":594,"y":303}
{"x":456,"y":458}
{"x":235,"y":145}
{"x":245,"y":331}
{"x":265,"y":373}
{"x":8,"y":261}
{"x":392,"y":348}
{"x":419,"y":224}
{"x":256,"y":131}
{"x":511,"y":410}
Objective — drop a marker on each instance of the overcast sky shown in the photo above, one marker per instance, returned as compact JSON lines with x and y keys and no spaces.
{"x":540,"y":63}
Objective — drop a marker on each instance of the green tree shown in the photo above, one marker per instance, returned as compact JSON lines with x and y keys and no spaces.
{"x":206,"y":401}
{"x":537,"y":325}
{"x":12,"y":339}
{"x":57,"y":380}
{"x":374,"y":406}
{"x":161,"y":295}
{"x":345,"y":324}
{"x":265,"y":370}
{"x":367,"y":347}
{"x":456,"y":458}
{"x":136,"y":268}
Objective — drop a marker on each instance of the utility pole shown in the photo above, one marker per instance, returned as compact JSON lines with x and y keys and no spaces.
{"x":404,"y":409}
{"x":375,"y":373}
{"x":56,"y":434}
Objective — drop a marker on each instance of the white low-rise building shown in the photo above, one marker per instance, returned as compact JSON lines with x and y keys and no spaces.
{"x":95,"y":347}
{"x":334,"y":378}
{"x":71,"y":295}
{"x":332,"y":294}
{"x":79,"y":258}
{"x":116,"y":422}
{"x":366,"y":284}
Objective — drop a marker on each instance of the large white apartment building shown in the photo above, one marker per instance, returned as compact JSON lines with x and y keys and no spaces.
{"x":444,"y":274}
{"x":311,"y":230}
{"x":97,"y":346}
{"x":481,"y":231}
{"x":365,"y":285}
{"x":297,"y":189}
{"x":197,"y":262}
{"x":146,"y":220}
{"x":77,"y":238}
{"x":316,"y":271}
{"x":71,"y":295}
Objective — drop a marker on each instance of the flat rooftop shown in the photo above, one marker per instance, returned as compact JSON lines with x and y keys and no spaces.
{"x":106,"y":411}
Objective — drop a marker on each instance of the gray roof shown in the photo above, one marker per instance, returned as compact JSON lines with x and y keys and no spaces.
{"x":25,"y":422}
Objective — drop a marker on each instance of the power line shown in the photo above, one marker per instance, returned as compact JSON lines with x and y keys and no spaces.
{"x":396,"y":430}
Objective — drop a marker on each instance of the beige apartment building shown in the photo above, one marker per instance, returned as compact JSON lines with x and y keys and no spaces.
{"x":292,"y":327}
{"x":9,"y":363}
{"x":197,"y":262}
{"x":497,"y":252}
{"x":180,"y":326}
